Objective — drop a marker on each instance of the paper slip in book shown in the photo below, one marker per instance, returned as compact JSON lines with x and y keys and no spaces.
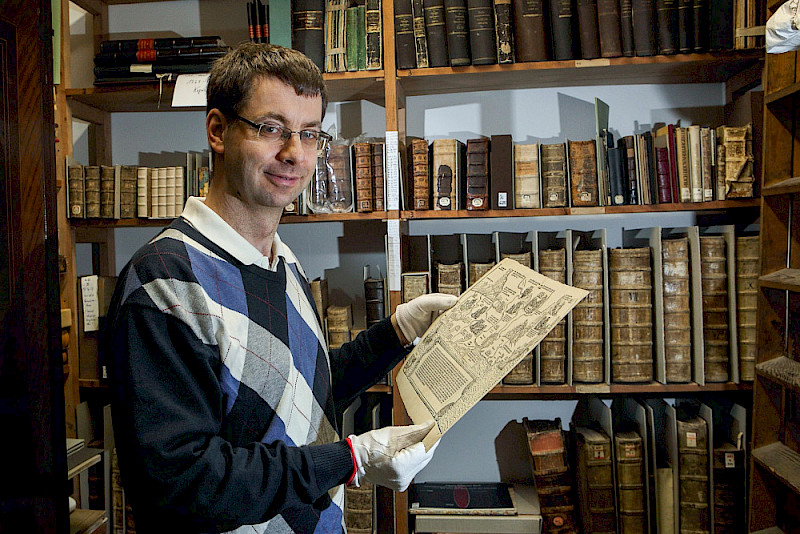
{"x":473,"y":345}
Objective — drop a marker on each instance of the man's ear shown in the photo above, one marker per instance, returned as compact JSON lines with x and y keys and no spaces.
{"x":216,"y":122}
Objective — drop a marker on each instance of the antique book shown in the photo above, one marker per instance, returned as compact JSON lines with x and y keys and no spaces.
{"x":152,"y":187}
{"x":554,"y":175}
{"x":643,"y":19}
{"x":476,"y":270}
{"x":562,"y":19}
{"x":667,"y":24}
{"x":447,"y":169}
{"x":413,"y":285}
{"x":335,"y":22}
{"x":693,"y":474}
{"x":455,"y":13}
{"x":695,"y":167}
{"x":530,"y":30}
{"x":631,"y":185}
{"x":714,"y":283}
{"x":127,"y":194}
{"x":180,"y":190}
{"x":169,"y":193}
{"x":450,"y":278}
{"x":358,"y":508}
{"x":587,"y":317}
{"x":107,"y":191}
{"x":355,"y":38}
{"x":404,"y":35}
{"x":719,"y":173}
{"x":588,"y":29}
{"x":663,"y":165}
{"x":630,"y":482}
{"x":626,"y":27}
{"x":738,"y":143}
{"x":747,"y":257}
{"x":682,"y":163}
{"x":340,"y":182}
{"x":720,"y":16}
{"x":374,"y":34}
{"x":420,"y":37}
{"x":526,"y":176}
{"x":583,"y":172}
{"x":480,"y":20}
{"x":143,"y":192}
{"x":730,"y":502}
{"x":552,"y":349}
{"x":522,"y":373}
{"x":685,"y":33}
{"x":522,"y":257}
{"x":665,"y":499}
{"x":378,"y":202}
{"x":308,"y":34}
{"x":699,"y":25}
{"x":608,"y":24}
{"x":504,"y":31}
{"x":551,"y":475}
{"x":436,"y":32}
{"x":462,"y":499}
{"x":706,"y":164}
{"x":75,"y":187}
{"x":319,"y":290}
{"x":162,"y":192}
{"x":677,"y":310}
{"x":630,"y":289}
{"x":340,"y":321}
{"x":420,"y":173}
{"x":593,"y":473}
{"x":362,"y":155}
{"x":617,"y":177}
{"x":478,"y":173}
{"x":374,"y":300}
{"x":501,"y":172}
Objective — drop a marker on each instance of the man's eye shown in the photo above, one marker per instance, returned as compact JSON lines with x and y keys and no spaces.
{"x":309,"y":134}
{"x":270,"y":129}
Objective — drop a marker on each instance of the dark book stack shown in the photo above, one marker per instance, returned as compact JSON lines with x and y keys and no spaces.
{"x":122,"y":61}
{"x":308,"y":33}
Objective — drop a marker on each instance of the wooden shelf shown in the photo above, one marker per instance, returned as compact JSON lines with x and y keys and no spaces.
{"x":781,"y":370}
{"x":786,"y":279}
{"x":784,"y":187}
{"x":507,"y":392}
{"x":770,"y":530}
{"x":91,"y":383}
{"x":380,"y":388}
{"x":782,"y":462}
{"x":82,"y":460}
{"x":680,"y":68}
{"x":86,"y":521}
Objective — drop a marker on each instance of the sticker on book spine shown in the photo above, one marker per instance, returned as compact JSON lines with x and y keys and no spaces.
{"x":730,"y":460}
{"x":691,"y":439}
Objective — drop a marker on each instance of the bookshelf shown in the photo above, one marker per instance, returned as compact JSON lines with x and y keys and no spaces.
{"x":391,"y":88}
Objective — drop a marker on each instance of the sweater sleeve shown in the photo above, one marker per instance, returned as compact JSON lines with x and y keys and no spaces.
{"x":168,"y":409}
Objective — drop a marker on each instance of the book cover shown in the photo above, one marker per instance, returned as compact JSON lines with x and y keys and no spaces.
{"x":420,"y":173}
{"x":643,"y":20}
{"x":308,"y":34}
{"x":608,"y":27}
{"x":587,"y":317}
{"x":480,"y":20}
{"x":335,"y":28}
{"x":420,"y":36}
{"x":630,"y":482}
{"x":482,"y":498}
{"x":501,"y":172}
{"x":714,"y":283}
{"x":504,"y":31}
{"x":554,"y":175}
{"x":667,"y":23}
{"x":626,"y":27}
{"x":478,"y":173}
{"x":561,"y":22}
{"x":553,"y":348}
{"x":374,"y":35}
{"x":447,"y":169}
{"x":436,"y":32}
{"x":457,"y":32}
{"x":583,"y":173}
{"x":588,"y":29}
{"x":526,"y":176}
{"x":530,"y":30}
{"x":747,"y":271}
{"x":593,"y":473}
{"x":404,"y":39}
{"x":677,"y":309}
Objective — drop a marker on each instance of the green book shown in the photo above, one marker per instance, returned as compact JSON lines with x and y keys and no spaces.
{"x":361,"y":40}
{"x":351,"y":38}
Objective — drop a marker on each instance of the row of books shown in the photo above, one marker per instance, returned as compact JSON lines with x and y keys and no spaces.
{"x":438,"y":33}
{"x":675,"y":305}
{"x":134,"y":191}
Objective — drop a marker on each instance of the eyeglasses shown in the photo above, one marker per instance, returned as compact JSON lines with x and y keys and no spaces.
{"x":310,"y":139}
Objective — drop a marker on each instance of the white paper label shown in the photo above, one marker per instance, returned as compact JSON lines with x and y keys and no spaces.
{"x":691,"y":439}
{"x":393,"y":264}
{"x":392,"y":172}
{"x":91,"y":304}
{"x":502,"y":200}
{"x":730,"y":460}
{"x":190,"y":90}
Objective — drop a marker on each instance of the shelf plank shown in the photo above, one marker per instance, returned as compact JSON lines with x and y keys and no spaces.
{"x":786,"y":279}
{"x":562,"y":390}
{"x":784,"y":187}
{"x":82,"y":459}
{"x":770,"y":530}
{"x":775,"y":97}
{"x":782,"y":370}
{"x":85,"y":521}
{"x":782,"y":462}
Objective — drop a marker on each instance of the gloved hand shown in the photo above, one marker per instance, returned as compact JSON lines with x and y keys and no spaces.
{"x":415,"y":316}
{"x":391,"y":456}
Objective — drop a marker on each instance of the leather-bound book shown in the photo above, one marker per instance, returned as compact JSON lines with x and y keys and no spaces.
{"x":699,"y":25}
{"x":720,"y":34}
{"x":374,"y":300}
{"x":677,"y":311}
{"x":377,"y":177}
{"x":358,"y":508}
{"x":630,"y":285}
{"x":608,"y":27}
{"x":352,"y":40}
{"x":667,"y":23}
{"x":522,"y":257}
{"x":308,"y":34}
{"x":554,"y":175}
{"x":714,"y":283}
{"x":644,"y":27}
{"x":127,"y":192}
{"x":447,"y":168}
{"x":588,"y":29}
{"x":552,"y":349}
{"x":170,"y":193}
{"x":685,"y":32}
{"x":476,"y":270}
{"x":617,"y":175}
{"x":420,"y":36}
{"x":374,"y":35}
{"x":630,"y":483}
{"x":450,"y":277}
{"x":747,"y":253}
{"x":706,"y":156}
{"x":455,"y":13}
{"x":587,"y":317}
{"x":530,"y":30}
{"x":420,"y":172}
{"x":480,"y":16}
{"x":663,"y":178}
{"x":526,"y":176}
{"x":340,"y":321}
{"x":404,"y":35}
{"x":693,"y":474}
{"x":75,"y":184}
{"x":478,"y":173}
{"x":632,"y":195}
{"x":436,"y":32}
{"x":682,"y":163}
{"x":583,"y":172}
{"x":593,"y":474}
{"x":551,"y":475}
{"x":143,"y":192}
{"x":335,"y":22}
{"x":413,"y":285}
{"x":561,"y":22}
{"x":362,"y":153}
{"x":730,"y":502}
{"x":319,"y":290}
{"x":501,"y":162}
{"x":626,"y":27}
{"x":339,"y":161}
{"x":504,"y":31}
{"x":738,"y":160}
{"x":107,"y":191}
{"x":720,"y":172}
{"x":522,"y":373}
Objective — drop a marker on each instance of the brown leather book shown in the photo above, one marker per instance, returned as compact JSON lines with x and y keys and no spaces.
{"x":587,"y":317}
{"x":630,"y":482}
{"x":476,"y":270}
{"x":738,"y":158}
{"x":522,"y":257}
{"x":420,"y":172}
{"x":714,"y":284}
{"x":107,"y":187}
{"x":340,"y":321}
{"x":593,"y":473}
{"x":677,"y":310}
{"x":554,"y":175}
{"x":504,"y":31}
{"x":626,"y":27}
{"x":583,"y":172}
{"x":630,"y":288}
{"x":478,"y":174}
{"x":450,"y":278}
{"x":530,"y":30}
{"x":436,"y":32}
{"x":562,"y":18}
{"x":501,"y":183}
{"x":706,"y":168}
{"x":413,"y":285}
{"x":362,"y":154}
{"x":455,"y":13}
{"x":447,"y":169}
{"x":693,"y":474}
{"x":608,"y":24}
{"x":643,"y":17}
{"x":358,"y":508}
{"x":480,"y":17}
{"x":552,"y":349}
{"x":374,"y":300}
{"x":730,"y":502}
{"x":319,"y":290}
{"x":522,"y":373}
{"x":588,"y":29}
{"x":526,"y":176}
{"x":377,"y":177}
{"x":75,"y":185}
{"x":747,"y":270}
{"x":127,"y":193}
{"x":404,"y":35}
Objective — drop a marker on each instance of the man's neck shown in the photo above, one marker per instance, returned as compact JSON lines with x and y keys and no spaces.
{"x":257,"y":227}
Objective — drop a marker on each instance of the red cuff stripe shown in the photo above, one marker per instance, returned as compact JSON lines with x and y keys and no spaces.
{"x":355,"y":463}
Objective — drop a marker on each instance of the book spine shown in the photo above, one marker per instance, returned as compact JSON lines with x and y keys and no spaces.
{"x":667,"y":22}
{"x":374,"y":35}
{"x":308,"y":34}
{"x":420,"y":171}
{"x":351,"y":38}
{"x":457,"y":32}
{"x":504,"y":31}
{"x":501,"y":172}
{"x":127,"y":196}
{"x":478,"y":174}
{"x":588,"y":29}
{"x":169,"y":197}
{"x":552,"y":349}
{"x":362,"y":152}
{"x":706,"y":156}
{"x":530,"y":30}
{"x":447,"y":166}
{"x":643,"y":21}
{"x":583,"y":172}
{"x":693,"y":478}
{"x":420,"y":37}
{"x":587,"y":317}
{"x":554,"y":175}
{"x":449,"y":278}
{"x":730,"y":502}
{"x":662,"y":173}
{"x":714,"y":283}
{"x":404,"y":35}
{"x":595,"y":482}
{"x":561,"y":21}
{"x":480,"y":14}
{"x":526,"y":176}
{"x":413,"y":285}
{"x":107,"y":182}
{"x":677,"y":310}
{"x":630,"y":483}
{"x":378,"y":177}
{"x":475,"y":270}
{"x":747,"y":257}
{"x":631,"y":171}
{"x":142,"y":196}
{"x":616,"y":174}
{"x":335,"y":27}
{"x":700,"y":25}
{"x":608,"y":23}
{"x":75,"y":185}
{"x":721,"y":25}
{"x":361,"y":36}
{"x":685,"y":44}
{"x":375,"y":300}
{"x":626,"y":27}
{"x":436,"y":32}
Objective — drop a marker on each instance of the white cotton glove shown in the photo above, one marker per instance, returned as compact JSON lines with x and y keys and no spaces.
{"x":416,"y":315}
{"x":391,"y":456}
{"x":783,"y":29}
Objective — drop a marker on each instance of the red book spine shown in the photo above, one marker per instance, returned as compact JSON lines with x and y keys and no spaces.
{"x":663,"y":176}
{"x":673,"y":164}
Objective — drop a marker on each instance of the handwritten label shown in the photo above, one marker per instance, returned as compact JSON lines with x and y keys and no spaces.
{"x":392,"y":171}
{"x":190,"y":90}
{"x":393,"y":264}
{"x":91,"y":304}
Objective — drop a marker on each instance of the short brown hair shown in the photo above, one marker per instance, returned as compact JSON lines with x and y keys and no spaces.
{"x":233,"y":75}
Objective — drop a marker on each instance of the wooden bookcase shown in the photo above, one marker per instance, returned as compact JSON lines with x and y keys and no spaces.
{"x":739,"y":70}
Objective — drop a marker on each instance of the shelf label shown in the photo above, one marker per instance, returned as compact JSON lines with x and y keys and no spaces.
{"x":190,"y":90}
{"x":91,"y":303}
{"x":393,"y":265}
{"x":392,"y":173}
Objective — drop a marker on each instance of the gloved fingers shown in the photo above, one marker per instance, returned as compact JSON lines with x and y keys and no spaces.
{"x":435,"y":302}
{"x":412,"y":434}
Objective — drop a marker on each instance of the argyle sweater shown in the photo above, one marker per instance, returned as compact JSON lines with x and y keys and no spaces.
{"x":225,"y":398}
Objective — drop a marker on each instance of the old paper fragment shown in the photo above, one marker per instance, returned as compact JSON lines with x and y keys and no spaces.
{"x":474,"y":344}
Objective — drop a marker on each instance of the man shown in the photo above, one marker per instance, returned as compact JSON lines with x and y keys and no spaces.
{"x":225,"y":398}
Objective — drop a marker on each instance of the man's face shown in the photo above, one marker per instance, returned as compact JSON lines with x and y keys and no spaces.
{"x":266,"y":173}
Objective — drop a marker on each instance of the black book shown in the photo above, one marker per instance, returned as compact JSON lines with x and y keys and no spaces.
{"x":685,"y":32}
{"x":404,"y":35}
{"x":720,"y":35}
{"x":308,"y":29}
{"x":699,"y":25}
{"x":617,"y":175}
{"x":561,"y":21}
{"x":437,"y":32}
{"x":480,"y":16}
{"x":667,"y":20}
{"x":442,"y":497}
{"x":644,"y":27}
{"x":131,"y":45}
{"x":588,"y":29}
{"x":504,"y":31}
{"x":455,"y":16}
{"x":626,"y":27}
{"x":177,"y":55}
